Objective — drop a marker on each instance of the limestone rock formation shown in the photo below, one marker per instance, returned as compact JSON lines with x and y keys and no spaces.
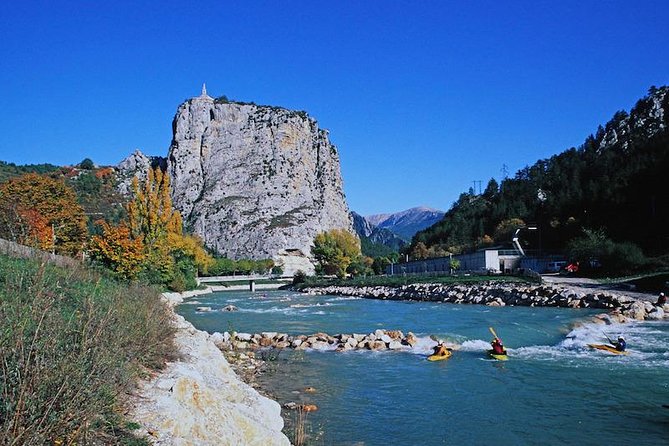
{"x":136,"y":165}
{"x":255,"y":181}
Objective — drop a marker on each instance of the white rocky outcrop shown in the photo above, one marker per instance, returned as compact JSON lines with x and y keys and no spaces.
{"x":135,"y":165}
{"x":254,"y":181}
{"x":200,"y":401}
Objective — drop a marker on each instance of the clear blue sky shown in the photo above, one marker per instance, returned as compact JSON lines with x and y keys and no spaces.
{"x":421,"y":97}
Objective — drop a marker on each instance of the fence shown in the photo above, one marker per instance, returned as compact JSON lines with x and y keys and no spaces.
{"x":13,"y":249}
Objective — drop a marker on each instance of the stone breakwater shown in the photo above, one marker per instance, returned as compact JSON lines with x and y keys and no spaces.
{"x":378,"y":340}
{"x":620,"y":308}
{"x":199,"y":400}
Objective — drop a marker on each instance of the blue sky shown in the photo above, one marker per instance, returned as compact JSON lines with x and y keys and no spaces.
{"x":421,"y":98}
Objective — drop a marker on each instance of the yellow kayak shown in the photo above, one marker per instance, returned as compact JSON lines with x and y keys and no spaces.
{"x":503,"y":357}
{"x":440,"y":357}
{"x":608,"y":348}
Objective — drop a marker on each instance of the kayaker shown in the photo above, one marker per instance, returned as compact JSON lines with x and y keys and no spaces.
{"x":661,"y":300}
{"x":497,"y":347}
{"x":440,"y":349}
{"x":621,"y":345}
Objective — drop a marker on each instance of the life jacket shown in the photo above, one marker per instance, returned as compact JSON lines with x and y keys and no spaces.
{"x":497,"y":348}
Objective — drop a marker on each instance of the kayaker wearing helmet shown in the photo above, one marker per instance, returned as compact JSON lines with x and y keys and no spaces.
{"x":497,"y":347}
{"x":621,"y":344}
{"x":661,"y":300}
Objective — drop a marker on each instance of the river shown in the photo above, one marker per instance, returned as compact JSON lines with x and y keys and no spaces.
{"x":552,"y":390}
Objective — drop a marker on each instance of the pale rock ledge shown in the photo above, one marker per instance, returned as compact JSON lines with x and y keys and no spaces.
{"x":199,"y":400}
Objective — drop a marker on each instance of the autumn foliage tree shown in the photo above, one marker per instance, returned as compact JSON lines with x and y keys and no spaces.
{"x":172,"y":257}
{"x":117,"y":250}
{"x":335,"y":250}
{"x":42,"y":212}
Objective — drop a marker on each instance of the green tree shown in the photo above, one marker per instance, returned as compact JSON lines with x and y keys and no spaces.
{"x":87,"y":164}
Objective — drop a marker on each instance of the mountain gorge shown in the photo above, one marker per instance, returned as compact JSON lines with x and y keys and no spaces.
{"x":405,"y":224}
{"x":375,"y":240}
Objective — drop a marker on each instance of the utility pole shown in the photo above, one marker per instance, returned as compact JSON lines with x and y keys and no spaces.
{"x":479,"y":183}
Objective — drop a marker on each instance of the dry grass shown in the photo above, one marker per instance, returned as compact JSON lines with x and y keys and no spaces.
{"x":300,"y":434}
{"x":72,"y":342}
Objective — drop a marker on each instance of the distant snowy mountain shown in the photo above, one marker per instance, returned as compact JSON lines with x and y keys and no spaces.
{"x":406,"y":223}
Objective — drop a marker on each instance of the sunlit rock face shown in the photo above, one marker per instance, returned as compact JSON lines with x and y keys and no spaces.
{"x":199,"y":401}
{"x":255,"y":181}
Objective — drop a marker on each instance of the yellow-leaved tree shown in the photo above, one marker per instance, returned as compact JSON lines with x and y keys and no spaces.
{"x":171,"y":256}
{"x":334,"y":251}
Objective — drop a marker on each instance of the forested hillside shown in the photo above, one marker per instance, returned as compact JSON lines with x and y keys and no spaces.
{"x":615,"y":184}
{"x":95,"y":186}
{"x":11,"y":170}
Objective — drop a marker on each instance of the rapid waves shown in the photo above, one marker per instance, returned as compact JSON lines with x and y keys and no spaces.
{"x":647,"y":341}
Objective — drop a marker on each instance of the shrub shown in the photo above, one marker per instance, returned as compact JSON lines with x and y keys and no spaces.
{"x":594,"y":247}
{"x":299,"y":277}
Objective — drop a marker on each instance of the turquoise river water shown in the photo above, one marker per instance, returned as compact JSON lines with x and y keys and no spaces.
{"x":553,"y":390}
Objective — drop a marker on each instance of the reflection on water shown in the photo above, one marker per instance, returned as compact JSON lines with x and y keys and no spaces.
{"x":553,"y":389}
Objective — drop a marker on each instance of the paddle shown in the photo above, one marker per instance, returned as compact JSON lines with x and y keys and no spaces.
{"x":440,"y":341}
{"x":612,"y":343}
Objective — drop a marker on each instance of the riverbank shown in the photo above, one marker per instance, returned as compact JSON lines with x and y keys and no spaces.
{"x":621,"y":308}
{"x":199,"y":400}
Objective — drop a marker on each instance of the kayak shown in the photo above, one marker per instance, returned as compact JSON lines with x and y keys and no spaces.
{"x":440,"y":357}
{"x":503,"y":357}
{"x":608,"y":348}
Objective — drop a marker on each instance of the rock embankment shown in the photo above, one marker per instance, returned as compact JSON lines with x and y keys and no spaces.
{"x":379,"y":340}
{"x":621,"y":308}
{"x":199,"y":400}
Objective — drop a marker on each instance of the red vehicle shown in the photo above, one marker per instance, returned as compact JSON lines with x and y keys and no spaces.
{"x":572,"y":267}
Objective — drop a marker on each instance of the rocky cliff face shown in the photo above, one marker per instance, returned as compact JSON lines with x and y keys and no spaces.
{"x":361,"y":225}
{"x":645,"y":120}
{"x":255,"y":181}
{"x":136,"y":165}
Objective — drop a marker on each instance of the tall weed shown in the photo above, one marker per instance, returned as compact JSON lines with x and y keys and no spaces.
{"x":71,"y":343}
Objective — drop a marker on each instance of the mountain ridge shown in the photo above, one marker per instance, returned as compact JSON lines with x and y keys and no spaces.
{"x":406,"y":223}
